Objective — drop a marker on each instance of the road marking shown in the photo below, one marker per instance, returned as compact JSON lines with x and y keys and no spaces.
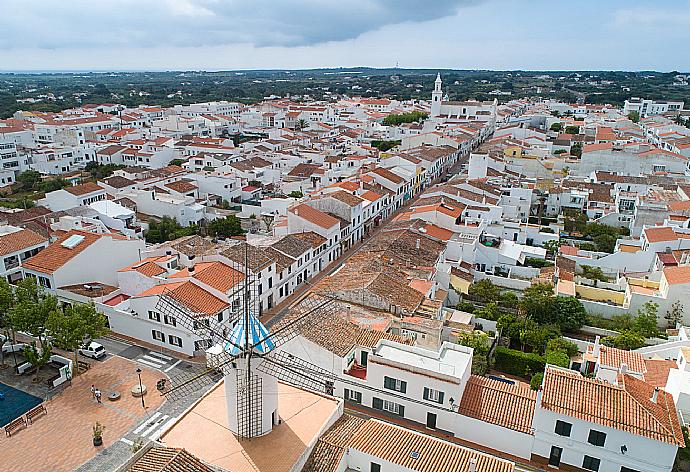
{"x":158,"y":421}
{"x":153,"y":359}
{"x":159,"y":431}
{"x":162,"y":356}
{"x":147,"y":422}
{"x":127,"y":441}
{"x":150,"y":364}
{"x":174,"y":365}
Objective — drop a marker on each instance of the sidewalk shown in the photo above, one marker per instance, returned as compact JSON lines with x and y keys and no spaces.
{"x":62,"y":439}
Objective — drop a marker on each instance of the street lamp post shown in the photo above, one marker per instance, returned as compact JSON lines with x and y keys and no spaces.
{"x":141,"y":389}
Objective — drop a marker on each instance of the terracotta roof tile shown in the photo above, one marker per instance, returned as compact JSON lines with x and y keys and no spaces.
{"x":315,"y":216}
{"x":677,"y":274}
{"x":168,"y":459}
{"x":217,"y":275}
{"x":19,"y":240}
{"x":500,"y":403}
{"x":84,"y":189}
{"x":56,"y":255}
{"x":395,"y":444}
{"x":627,"y":407}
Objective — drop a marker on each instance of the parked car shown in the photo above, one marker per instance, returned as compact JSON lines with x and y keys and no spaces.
{"x":93,"y":350}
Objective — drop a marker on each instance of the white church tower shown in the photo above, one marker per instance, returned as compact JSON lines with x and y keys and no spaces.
{"x":436,"y":97}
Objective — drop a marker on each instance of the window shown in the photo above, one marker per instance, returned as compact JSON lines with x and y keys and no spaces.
{"x":220,"y":317}
{"x":170,"y":320}
{"x":155,"y":316}
{"x":379,"y":404}
{"x":627,"y":469}
{"x":590,"y":463}
{"x":563,"y":428}
{"x":374,"y":467}
{"x":555,"y":456}
{"x":433,"y":395}
{"x":596,"y":438}
{"x":353,"y":396}
{"x":158,"y":335}
{"x":175,"y":340}
{"x":395,"y":384}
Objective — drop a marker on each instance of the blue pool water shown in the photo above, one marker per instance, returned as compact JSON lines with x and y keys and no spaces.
{"x":15,"y":403}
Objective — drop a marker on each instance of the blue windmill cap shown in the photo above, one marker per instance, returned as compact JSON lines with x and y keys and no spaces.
{"x":258,"y":334}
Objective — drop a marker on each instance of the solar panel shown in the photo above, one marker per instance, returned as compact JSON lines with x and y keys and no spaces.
{"x":72,"y":241}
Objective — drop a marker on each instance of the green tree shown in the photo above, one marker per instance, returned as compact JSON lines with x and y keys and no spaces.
{"x":570,"y":314}
{"x":605,"y":242}
{"x":561,"y":344}
{"x":576,"y":150}
{"x":552,"y":246}
{"x":6,"y":330}
{"x":572,"y":129}
{"x":594,"y":273}
{"x":488,"y":312}
{"x":674,"y":314}
{"x":53,"y":184}
{"x":167,"y":229}
{"x":627,"y":340}
{"x":634,"y":116}
{"x":295,"y":194}
{"x":30,"y":313}
{"x":301,"y":124}
{"x":29,"y":179}
{"x":509,"y":299}
{"x":76,"y":325}
{"x":398,"y":119}
{"x":225,"y":227}
{"x":537,"y":337}
{"x":477,"y":340}
{"x":646,"y":322}
{"x":558,"y":358}
{"x":37,"y":356}
{"x":484,"y":291}
{"x":557,"y":127}
{"x":384,"y":146}
{"x":536,"y":381}
{"x":538,"y":303}
{"x":177,"y":162}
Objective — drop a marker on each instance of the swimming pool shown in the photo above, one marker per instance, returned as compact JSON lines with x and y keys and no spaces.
{"x":15,"y":404}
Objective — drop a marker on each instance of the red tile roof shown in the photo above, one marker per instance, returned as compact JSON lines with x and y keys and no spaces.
{"x":55,"y":256}
{"x":659,"y":234}
{"x":315,"y":216}
{"x":500,"y":403}
{"x":19,"y":240}
{"x":220,"y":276}
{"x":626,"y":407}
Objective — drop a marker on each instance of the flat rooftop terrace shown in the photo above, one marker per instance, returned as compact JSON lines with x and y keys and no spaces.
{"x":203,"y":431}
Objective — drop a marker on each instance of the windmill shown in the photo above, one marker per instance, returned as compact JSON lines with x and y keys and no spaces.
{"x":245,"y":353}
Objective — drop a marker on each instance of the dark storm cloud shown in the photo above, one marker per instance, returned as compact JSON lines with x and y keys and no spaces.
{"x":145,"y":23}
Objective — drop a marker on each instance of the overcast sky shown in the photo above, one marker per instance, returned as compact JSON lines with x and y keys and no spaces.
{"x":256,"y":34}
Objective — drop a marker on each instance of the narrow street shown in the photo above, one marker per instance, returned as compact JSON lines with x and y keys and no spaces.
{"x":276,"y":313}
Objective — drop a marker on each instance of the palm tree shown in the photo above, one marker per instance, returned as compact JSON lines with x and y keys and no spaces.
{"x":301,"y":124}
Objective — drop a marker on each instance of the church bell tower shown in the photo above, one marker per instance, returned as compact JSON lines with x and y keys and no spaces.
{"x":436,"y":97}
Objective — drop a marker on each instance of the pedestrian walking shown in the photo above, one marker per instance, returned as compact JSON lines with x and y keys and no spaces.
{"x":97,"y":394}
{"x":93,"y":391}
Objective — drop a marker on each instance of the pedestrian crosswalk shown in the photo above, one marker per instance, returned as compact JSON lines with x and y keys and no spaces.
{"x":155,"y":360}
{"x":154,"y":426}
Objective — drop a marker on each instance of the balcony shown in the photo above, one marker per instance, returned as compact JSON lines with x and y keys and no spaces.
{"x":358,"y":371}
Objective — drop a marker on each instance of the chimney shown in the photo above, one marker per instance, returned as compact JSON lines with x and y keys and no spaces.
{"x":595,"y":351}
{"x":655,"y":395}
{"x":624,"y":368}
{"x":473,"y":465}
{"x":191,"y":269}
{"x":417,"y":244}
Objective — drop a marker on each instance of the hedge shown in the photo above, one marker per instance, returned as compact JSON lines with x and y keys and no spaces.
{"x":523,"y":364}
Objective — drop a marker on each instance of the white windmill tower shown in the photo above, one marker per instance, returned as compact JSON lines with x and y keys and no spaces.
{"x":245,"y":353}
